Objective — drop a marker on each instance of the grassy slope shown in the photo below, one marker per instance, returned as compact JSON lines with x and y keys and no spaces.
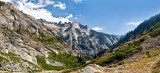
{"x":68,"y":59}
{"x":128,"y":50}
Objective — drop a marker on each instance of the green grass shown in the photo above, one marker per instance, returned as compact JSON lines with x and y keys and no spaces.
{"x":41,"y":61}
{"x":156,"y":54}
{"x":156,"y":71}
{"x":68,"y":60}
{"x":156,"y":68}
{"x":48,"y":39}
{"x":12,"y":56}
{"x":16,"y":59}
{"x":122,"y":53}
{"x":155,"y":33}
{"x":2,"y":58}
{"x":155,"y":30}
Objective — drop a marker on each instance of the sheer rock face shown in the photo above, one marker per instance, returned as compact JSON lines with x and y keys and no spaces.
{"x":17,"y":36}
{"x":83,"y":40}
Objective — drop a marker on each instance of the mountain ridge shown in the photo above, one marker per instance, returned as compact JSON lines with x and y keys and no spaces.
{"x":80,"y":38}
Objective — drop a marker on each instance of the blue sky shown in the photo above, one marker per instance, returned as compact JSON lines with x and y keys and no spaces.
{"x":108,"y":16}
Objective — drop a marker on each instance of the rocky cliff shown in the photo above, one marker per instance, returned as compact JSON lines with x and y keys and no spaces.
{"x":28,"y":45}
{"x":82,"y":39}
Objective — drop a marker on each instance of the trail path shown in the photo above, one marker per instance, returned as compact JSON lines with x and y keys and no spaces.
{"x":149,"y":68}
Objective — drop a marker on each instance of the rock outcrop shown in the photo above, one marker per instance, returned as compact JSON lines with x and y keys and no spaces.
{"x":20,"y":40}
{"x":82,"y":39}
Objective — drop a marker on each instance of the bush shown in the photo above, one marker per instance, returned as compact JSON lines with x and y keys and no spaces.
{"x":121,"y":62}
{"x":154,"y":33}
{"x":147,"y":51}
{"x":148,"y":54}
{"x":155,"y":30}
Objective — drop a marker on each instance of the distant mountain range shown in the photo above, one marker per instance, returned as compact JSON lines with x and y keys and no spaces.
{"x":82,"y":39}
{"x":31,"y":45}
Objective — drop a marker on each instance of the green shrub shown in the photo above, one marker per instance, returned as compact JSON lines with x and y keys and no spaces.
{"x":148,"y":54}
{"x":122,"y":53}
{"x":155,"y":30}
{"x":154,"y":33}
{"x":121,"y":62}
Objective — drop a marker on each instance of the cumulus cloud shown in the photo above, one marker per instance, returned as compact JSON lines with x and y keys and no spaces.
{"x":97,"y":28}
{"x":70,"y":16}
{"x":134,"y":23}
{"x":78,"y":1}
{"x":60,"y":5}
{"x":39,"y":12}
{"x":6,"y":0}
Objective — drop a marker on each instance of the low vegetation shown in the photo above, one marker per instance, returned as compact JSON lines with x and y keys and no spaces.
{"x":48,"y":39}
{"x":155,"y":30}
{"x":122,"y":53}
{"x":121,"y":62}
{"x":148,"y":54}
{"x":156,"y":68}
{"x":2,"y":59}
{"x":68,"y":60}
{"x":41,"y":61}
{"x":12,"y":56}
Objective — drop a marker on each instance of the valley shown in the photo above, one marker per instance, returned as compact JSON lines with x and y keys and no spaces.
{"x":29,"y":45}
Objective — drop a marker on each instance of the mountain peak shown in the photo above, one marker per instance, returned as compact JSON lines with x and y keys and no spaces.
{"x":83,"y":40}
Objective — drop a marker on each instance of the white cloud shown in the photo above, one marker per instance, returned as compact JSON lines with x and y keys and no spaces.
{"x":97,"y":28}
{"x":60,"y":5}
{"x":78,"y":1}
{"x":48,"y":2}
{"x":6,"y":0}
{"x":75,"y":18}
{"x":40,"y":4}
{"x":134,"y":23}
{"x":70,"y":16}
{"x":37,"y":10}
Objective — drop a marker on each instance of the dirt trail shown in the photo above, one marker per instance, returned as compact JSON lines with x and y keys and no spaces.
{"x":149,"y":68}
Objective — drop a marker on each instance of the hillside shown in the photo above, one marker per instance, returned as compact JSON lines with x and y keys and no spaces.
{"x":82,"y":39}
{"x":139,"y":30}
{"x":26,"y":45}
{"x":139,"y":55}
{"x":29,"y":45}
